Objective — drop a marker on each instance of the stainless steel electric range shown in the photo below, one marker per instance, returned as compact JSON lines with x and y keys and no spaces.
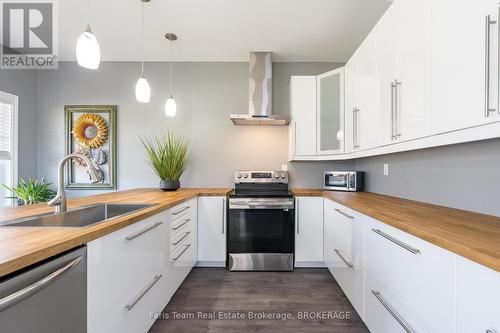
{"x":261,"y":222}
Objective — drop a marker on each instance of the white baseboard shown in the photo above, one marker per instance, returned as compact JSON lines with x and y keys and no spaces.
{"x":310,"y":264}
{"x":211,"y":264}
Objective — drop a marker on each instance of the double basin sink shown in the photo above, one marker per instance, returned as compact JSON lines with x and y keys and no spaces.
{"x":78,"y":217}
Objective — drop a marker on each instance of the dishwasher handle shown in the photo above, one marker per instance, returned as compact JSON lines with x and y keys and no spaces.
{"x":20,"y":295}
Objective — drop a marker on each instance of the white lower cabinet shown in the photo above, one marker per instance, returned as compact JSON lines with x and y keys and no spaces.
{"x":133,"y":272}
{"x":344,"y":250}
{"x":212,"y":230}
{"x":418,"y":274}
{"x":309,"y":231}
{"x":478,"y":298}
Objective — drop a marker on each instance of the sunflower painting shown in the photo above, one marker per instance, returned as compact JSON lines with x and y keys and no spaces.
{"x":91,"y":131}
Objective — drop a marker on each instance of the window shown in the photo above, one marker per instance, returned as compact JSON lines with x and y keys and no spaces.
{"x":8,"y":144}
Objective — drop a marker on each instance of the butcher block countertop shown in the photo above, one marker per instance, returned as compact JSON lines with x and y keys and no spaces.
{"x":471,"y":235}
{"x":23,"y":246}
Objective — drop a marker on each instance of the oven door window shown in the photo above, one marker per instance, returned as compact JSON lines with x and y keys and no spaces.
{"x":338,"y":180}
{"x":261,"y":231}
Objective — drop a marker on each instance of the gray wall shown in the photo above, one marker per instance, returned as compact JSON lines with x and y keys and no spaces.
{"x":22,"y":84}
{"x":464,"y":176}
{"x":206,"y":94}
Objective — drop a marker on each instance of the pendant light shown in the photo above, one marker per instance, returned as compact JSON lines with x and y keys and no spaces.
{"x":170,"y":105}
{"x":142,"y":89}
{"x":88,"y":52}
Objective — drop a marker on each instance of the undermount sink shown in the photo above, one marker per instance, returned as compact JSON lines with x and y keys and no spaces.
{"x":78,"y":217}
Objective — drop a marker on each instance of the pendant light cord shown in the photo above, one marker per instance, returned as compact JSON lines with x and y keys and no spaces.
{"x":171,"y":68}
{"x":142,"y":37}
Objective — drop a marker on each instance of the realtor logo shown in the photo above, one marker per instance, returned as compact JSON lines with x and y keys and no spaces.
{"x":28,"y":34}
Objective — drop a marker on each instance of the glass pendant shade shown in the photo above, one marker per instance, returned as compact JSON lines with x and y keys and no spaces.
{"x":88,"y":52}
{"x":142,"y":90}
{"x":170,"y":107}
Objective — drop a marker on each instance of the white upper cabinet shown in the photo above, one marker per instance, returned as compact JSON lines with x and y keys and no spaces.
{"x":330,"y":112}
{"x":461,"y":64}
{"x":303,"y":114}
{"x":413,"y":89}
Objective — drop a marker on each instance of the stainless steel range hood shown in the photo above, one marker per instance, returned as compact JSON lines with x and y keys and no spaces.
{"x":261,"y":97}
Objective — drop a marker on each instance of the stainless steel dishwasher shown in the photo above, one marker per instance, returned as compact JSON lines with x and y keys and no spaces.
{"x":47,"y":297}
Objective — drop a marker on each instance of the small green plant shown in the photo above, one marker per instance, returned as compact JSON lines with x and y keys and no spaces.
{"x":168,"y":154}
{"x":31,"y":191}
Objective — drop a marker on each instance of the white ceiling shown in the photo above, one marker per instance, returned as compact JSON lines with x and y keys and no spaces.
{"x":222,"y":30}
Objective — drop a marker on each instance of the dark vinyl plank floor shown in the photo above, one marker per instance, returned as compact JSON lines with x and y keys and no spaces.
{"x":216,"y":300}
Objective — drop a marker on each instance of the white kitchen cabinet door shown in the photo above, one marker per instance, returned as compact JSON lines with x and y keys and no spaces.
{"x":385,"y":49}
{"x":413,"y":91}
{"x":420,"y":276}
{"x":330,"y":112}
{"x":478,"y":298}
{"x":344,"y":250}
{"x":458,"y":52}
{"x":309,"y":231}
{"x":212,"y":231}
{"x":303,"y":113}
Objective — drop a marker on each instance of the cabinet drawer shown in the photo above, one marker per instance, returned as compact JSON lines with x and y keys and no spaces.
{"x":385,"y":314}
{"x":182,"y":211}
{"x":420,"y":274}
{"x":134,"y":312}
{"x":478,"y":298}
{"x":118,"y":262}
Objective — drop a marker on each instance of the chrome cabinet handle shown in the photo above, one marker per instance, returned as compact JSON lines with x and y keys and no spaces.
{"x":180,"y":225}
{"x":297,"y":215}
{"x":355,"y":129}
{"x":487,"y":39}
{"x":491,"y":331}
{"x":182,"y":238}
{"x":182,"y":252}
{"x":393,"y":135}
{"x":20,"y":295}
{"x":143,"y":292}
{"x":142,"y":232}
{"x":223,"y":214}
{"x":396,"y":241}
{"x":349,"y":264}
{"x":397,"y":84}
{"x":181,"y":210}
{"x":345,"y":214}
{"x":393,"y":312}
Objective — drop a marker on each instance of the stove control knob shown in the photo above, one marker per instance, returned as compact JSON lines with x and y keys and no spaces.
{"x":276,"y":176}
{"x":283,"y":176}
{"x":245,"y":175}
{"x":238,"y":175}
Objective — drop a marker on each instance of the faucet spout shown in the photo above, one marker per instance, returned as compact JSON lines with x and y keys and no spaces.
{"x":59,"y":201}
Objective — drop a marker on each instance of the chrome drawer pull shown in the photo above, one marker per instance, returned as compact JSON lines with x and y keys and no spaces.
{"x":182,"y":238}
{"x":350,"y":265}
{"x":180,"y":225}
{"x":143,"y":292}
{"x":182,"y":252}
{"x":396,"y":241}
{"x":346,"y":215}
{"x":142,"y":232}
{"x":393,"y":312}
{"x":20,"y":295}
{"x":181,"y":210}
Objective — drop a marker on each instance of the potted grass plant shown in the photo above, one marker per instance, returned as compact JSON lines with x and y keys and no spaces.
{"x":31,"y":191}
{"x":168,"y":156}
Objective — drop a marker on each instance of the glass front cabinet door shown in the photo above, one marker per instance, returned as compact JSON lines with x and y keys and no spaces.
{"x":330,"y":108}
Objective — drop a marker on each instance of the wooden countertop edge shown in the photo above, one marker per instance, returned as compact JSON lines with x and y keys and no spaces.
{"x":479,"y":256}
{"x":84,"y":235}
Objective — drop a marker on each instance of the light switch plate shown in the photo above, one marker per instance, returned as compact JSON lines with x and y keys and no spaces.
{"x":284,"y":167}
{"x":386,"y":169}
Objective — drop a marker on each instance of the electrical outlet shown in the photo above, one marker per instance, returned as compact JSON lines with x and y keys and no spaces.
{"x":386,"y":169}
{"x":284,"y":167}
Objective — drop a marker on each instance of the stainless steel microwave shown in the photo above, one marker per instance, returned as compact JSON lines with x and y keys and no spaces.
{"x":344,"y":180}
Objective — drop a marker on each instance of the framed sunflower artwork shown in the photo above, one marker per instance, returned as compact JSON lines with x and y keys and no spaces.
{"x":91,"y":131}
